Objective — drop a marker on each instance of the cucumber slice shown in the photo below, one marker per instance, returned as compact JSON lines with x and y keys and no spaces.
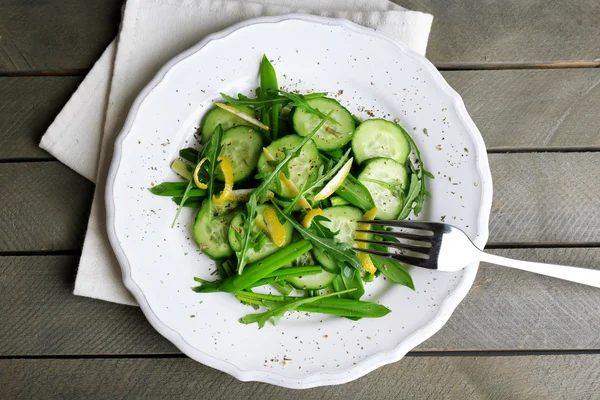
{"x":343,"y":220}
{"x":312,"y":282}
{"x":211,"y":232}
{"x":376,"y":138}
{"x":236,"y":227}
{"x":305,"y":259}
{"x":227,"y":120}
{"x":301,"y":168}
{"x":382,"y":177}
{"x":242,"y":146}
{"x":331,"y":136}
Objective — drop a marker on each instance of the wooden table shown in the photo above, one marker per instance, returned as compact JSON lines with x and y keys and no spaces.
{"x":528,"y":72}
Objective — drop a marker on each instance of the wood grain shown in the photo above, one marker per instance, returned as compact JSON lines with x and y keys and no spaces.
{"x":538,"y":198}
{"x":65,"y":35}
{"x":55,"y":35}
{"x":537,"y":377}
{"x":545,"y":198}
{"x":44,"y":207}
{"x":27,"y":107}
{"x":526,"y":31}
{"x":505,"y":310}
{"x":514,"y":110}
{"x":535,"y":109}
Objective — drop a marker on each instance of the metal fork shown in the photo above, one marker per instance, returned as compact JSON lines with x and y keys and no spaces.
{"x":444,"y":247}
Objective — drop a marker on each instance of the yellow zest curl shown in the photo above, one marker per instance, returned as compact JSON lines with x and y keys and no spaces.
{"x":228,"y":174}
{"x":306,"y":221}
{"x":201,"y":185}
{"x":275,"y":229}
{"x":291,"y":186}
{"x":364,"y":258}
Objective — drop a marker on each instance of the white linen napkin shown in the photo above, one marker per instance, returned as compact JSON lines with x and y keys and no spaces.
{"x":152,"y":32}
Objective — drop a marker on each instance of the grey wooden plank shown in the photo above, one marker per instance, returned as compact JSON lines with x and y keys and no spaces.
{"x":505,"y":310}
{"x":514,"y":110}
{"x":545,"y":198}
{"x":27,"y":107}
{"x":41,"y":315}
{"x":55,"y":35}
{"x":532,"y":109}
{"x":527,"y":31}
{"x":536,"y":377}
{"x":44,"y":206}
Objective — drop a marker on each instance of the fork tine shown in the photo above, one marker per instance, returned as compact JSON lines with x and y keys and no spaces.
{"x":417,"y":262}
{"x":401,"y":235}
{"x":427,"y":226}
{"x":419,"y":249}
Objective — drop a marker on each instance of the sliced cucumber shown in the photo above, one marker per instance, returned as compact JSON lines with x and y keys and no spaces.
{"x":227,"y":120}
{"x":312,"y":282}
{"x":376,"y":138}
{"x":301,"y":168}
{"x":383,"y":177}
{"x":304,"y":260}
{"x":211,"y":232}
{"x":236,"y":231}
{"x":343,"y":220}
{"x":331,"y":135}
{"x":242,"y":146}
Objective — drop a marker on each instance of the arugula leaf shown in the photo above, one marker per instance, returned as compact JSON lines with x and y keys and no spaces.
{"x":175,"y":189}
{"x":354,"y":192}
{"x":391,"y":269}
{"x":341,"y":252}
{"x":300,"y":101}
{"x":394,"y":271}
{"x":191,"y":202}
{"x":268,"y":84}
{"x":414,"y":199}
{"x":278,"y":309}
{"x":260,"y":194}
{"x":353,"y":280}
{"x":190,"y":154}
{"x":213,"y":148}
{"x":186,"y":195}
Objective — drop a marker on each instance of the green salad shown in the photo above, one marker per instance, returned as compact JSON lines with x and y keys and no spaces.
{"x":281,"y":182}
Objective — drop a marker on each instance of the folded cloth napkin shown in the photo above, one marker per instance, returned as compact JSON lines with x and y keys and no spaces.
{"x":152,"y":32}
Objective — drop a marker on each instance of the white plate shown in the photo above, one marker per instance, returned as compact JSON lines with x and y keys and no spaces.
{"x":378,"y":76}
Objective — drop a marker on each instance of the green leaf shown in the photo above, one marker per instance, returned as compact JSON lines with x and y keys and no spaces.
{"x":190,"y":154}
{"x":414,"y":199}
{"x":175,"y":189}
{"x":278,"y":309}
{"x":300,"y":101}
{"x":268,"y":77}
{"x":190,"y":202}
{"x":352,"y":280}
{"x":342,"y":306}
{"x":355,"y":193}
{"x":213,"y":149}
{"x":394,"y":271}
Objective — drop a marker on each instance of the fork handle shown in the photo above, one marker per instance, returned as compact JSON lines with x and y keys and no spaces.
{"x":584,"y":276}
